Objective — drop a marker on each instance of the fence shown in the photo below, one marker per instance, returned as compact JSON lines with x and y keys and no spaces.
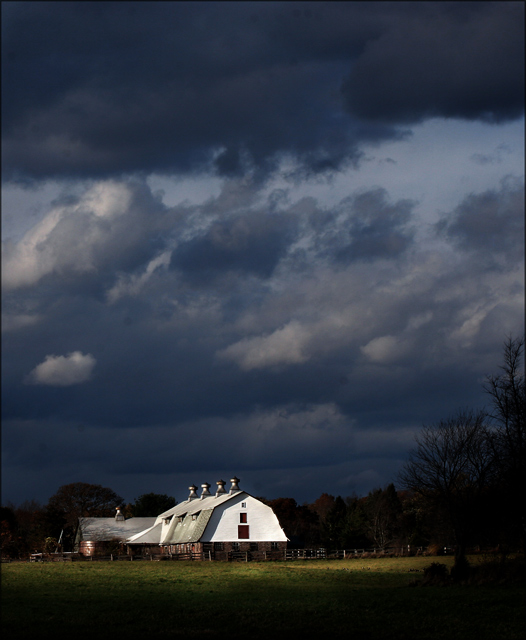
{"x":233,"y":556}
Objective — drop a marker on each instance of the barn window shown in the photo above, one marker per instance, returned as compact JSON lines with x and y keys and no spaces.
{"x":254,"y":546}
{"x":243,"y":517}
{"x":235,"y":546}
{"x":242,"y":531}
{"x":243,"y":505}
{"x":274,"y":546}
{"x":218,"y":546}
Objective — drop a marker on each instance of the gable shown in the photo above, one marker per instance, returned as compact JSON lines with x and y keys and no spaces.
{"x":246,"y":518}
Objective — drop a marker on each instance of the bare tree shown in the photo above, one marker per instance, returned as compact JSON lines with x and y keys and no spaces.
{"x":507,"y":390}
{"x":452,"y":467}
{"x":383,"y":509}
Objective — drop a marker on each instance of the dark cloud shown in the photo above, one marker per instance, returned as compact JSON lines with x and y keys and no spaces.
{"x":368,"y":228}
{"x":313,"y":374}
{"x":452,"y":60}
{"x":252,"y":323}
{"x":491,"y":223}
{"x":97,"y":89}
{"x":252,"y":243}
{"x":168,"y":352}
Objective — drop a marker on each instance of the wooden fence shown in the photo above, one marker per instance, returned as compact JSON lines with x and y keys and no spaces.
{"x":232,"y":556}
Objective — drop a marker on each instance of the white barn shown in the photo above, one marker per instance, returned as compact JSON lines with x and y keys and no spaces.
{"x":215,"y":526}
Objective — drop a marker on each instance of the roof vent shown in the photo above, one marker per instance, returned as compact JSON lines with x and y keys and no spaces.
{"x":234,"y":488}
{"x":205,"y":493}
{"x":193,"y":495}
{"x":220,"y":488}
{"x":119,"y":515}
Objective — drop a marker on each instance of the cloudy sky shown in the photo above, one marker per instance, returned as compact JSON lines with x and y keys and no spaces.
{"x":268,"y":239}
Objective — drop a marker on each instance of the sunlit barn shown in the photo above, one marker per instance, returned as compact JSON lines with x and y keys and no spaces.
{"x":218,"y":526}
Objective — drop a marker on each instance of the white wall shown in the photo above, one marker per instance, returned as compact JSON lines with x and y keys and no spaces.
{"x":263,"y":524}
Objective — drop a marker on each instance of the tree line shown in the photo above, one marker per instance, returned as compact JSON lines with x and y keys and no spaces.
{"x":35,"y":528}
{"x":461,"y":487}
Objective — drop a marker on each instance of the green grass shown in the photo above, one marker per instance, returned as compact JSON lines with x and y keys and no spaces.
{"x":360,"y":599}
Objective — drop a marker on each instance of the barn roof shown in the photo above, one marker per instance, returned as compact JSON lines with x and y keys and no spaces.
{"x":190,"y":507}
{"x":103,"y":529}
{"x":149,"y":536}
{"x":187,"y":520}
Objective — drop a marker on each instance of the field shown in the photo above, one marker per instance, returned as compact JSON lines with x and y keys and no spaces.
{"x":360,"y":599}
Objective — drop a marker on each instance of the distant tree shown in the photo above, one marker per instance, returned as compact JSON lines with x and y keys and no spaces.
{"x":356,"y":524}
{"x":297,"y":521}
{"x":419,"y":525}
{"x":32,"y":526}
{"x":333,"y":525}
{"x":9,"y":538}
{"x":76,"y":500}
{"x":151,"y":504}
{"x":322,"y":506}
{"x":451,"y":468}
{"x":383,"y":509}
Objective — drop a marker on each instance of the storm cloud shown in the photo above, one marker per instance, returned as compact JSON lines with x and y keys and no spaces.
{"x":117,"y":88}
{"x":269,"y":239}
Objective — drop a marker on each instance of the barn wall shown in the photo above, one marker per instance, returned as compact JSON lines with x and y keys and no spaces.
{"x":263,"y":523}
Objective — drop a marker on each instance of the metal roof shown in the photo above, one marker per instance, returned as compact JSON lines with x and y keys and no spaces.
{"x":190,"y":529}
{"x":199,"y":504}
{"x":149,"y":536}
{"x":104,"y":529}
{"x":187,"y":520}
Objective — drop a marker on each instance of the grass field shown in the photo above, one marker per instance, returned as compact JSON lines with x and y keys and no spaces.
{"x":358,"y":599}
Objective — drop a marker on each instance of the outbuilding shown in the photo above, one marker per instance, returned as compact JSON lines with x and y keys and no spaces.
{"x":97,"y":536}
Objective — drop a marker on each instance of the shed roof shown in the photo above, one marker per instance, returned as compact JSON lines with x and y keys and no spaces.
{"x":104,"y":529}
{"x":149,"y":536}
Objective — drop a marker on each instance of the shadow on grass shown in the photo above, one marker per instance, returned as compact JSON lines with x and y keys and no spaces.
{"x":338,"y":599}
